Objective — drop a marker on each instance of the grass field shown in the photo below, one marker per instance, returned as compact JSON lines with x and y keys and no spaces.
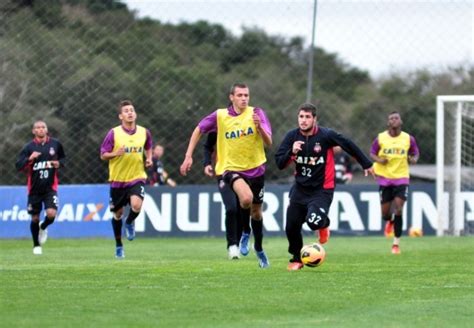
{"x":190,"y":283}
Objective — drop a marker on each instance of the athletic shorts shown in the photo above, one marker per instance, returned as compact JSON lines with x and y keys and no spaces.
{"x":120,"y":197}
{"x":306,"y":205}
{"x":257,"y":185}
{"x":387,"y":194}
{"x":229,"y":198}
{"x":36,"y":201}
{"x":321,"y":196}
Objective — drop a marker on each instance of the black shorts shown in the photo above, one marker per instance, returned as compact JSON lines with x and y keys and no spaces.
{"x":387,"y":194}
{"x":120,"y":197}
{"x":229,"y":198}
{"x":36,"y":201}
{"x":257,"y":185}
{"x":321,"y":198}
{"x":306,"y":206}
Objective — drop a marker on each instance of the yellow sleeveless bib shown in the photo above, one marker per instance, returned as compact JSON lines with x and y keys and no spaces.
{"x":239,"y":145}
{"x":129,"y":166}
{"x":395,"y":149}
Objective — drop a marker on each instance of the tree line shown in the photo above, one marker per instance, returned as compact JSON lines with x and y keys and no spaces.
{"x":69,"y":62}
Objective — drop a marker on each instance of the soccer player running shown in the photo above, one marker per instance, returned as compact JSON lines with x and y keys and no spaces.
{"x":40,"y":159}
{"x":242,"y":133}
{"x":310,"y":147}
{"x":235,"y":223}
{"x":393,"y":150}
{"x":124,"y":147}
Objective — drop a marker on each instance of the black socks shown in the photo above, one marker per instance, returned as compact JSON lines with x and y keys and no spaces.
{"x":245,"y":220}
{"x":34,"y":228}
{"x":117,"y":226}
{"x":47,"y":221}
{"x":257,"y":227}
{"x":131,"y":216}
{"x":397,"y":226}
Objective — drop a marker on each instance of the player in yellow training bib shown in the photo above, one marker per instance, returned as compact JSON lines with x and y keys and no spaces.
{"x":393,"y":150}
{"x":125,"y":147}
{"x":242,"y":133}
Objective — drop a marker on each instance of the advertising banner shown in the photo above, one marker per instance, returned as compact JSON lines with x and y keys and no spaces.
{"x":198,"y":210}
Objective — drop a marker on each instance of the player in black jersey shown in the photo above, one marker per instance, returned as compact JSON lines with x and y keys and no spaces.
{"x":310,"y":147}
{"x":40,"y":159}
{"x":237,"y":219}
{"x":343,"y":166}
{"x":157,"y":175}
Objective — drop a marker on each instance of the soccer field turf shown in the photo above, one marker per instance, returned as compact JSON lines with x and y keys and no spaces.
{"x":170,"y":282}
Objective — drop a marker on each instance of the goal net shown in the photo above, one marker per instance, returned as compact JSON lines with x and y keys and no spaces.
{"x":455,"y":165}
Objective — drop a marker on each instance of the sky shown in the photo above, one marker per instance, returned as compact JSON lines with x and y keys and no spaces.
{"x":381,"y":36}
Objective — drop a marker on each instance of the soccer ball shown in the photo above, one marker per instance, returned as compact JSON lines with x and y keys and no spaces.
{"x":415,"y":232}
{"x":312,"y":255}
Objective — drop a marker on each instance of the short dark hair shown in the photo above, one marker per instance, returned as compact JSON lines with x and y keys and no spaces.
{"x":123,"y":103}
{"x":38,"y":121}
{"x":310,"y":108}
{"x":395,"y":112}
{"x":237,"y":85}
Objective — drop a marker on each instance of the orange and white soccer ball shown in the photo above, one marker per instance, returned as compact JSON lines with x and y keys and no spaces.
{"x":415,"y":232}
{"x":312,"y":255}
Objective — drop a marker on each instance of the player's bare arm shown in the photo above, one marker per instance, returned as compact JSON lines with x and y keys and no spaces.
{"x":413,"y":159}
{"x":188,"y":158}
{"x":209,"y":170}
{"x":267,"y":139}
{"x":380,"y":160}
{"x":370,"y":171}
{"x":148,"y":160}
{"x":109,"y":155}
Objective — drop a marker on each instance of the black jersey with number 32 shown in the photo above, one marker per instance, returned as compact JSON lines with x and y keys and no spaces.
{"x":314,"y":164}
{"x":42,"y":176}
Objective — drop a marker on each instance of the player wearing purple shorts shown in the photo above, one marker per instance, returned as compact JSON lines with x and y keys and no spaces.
{"x":393,"y":150}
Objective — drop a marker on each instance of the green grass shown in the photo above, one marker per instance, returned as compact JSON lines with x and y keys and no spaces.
{"x":190,"y":283}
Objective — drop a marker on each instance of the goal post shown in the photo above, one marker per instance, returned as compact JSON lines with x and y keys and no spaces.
{"x":455,"y":164}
